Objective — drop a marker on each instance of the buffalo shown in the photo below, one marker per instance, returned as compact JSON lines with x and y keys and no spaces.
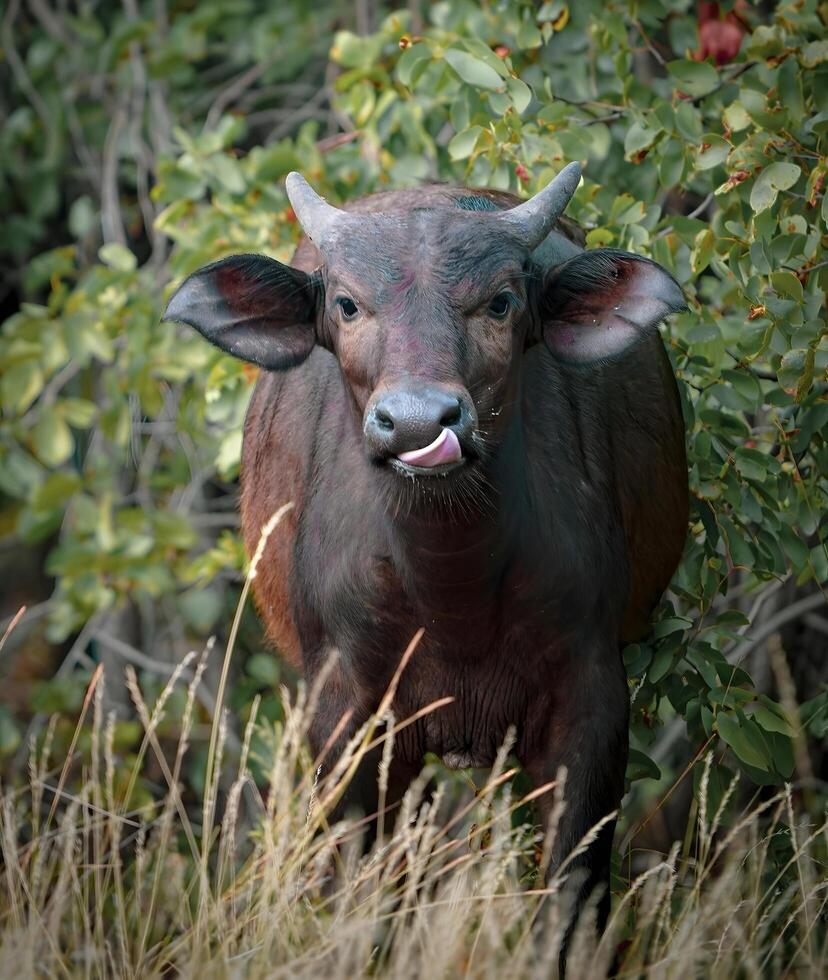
{"x":481,"y":433}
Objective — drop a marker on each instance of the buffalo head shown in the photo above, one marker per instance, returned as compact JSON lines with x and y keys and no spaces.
{"x":429,"y":311}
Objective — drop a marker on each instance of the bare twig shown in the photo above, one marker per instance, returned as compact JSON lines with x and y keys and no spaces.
{"x":112,"y":222}
{"x":53,"y":24}
{"x":784,"y":616}
{"x":49,"y":394}
{"x":815,"y":622}
{"x":19,"y":69}
{"x":166,"y":669}
{"x":649,"y":44}
{"x":232,"y":92}
{"x":698,"y":210}
{"x":310,"y":110}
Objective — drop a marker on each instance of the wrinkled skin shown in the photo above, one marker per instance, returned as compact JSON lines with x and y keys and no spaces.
{"x":528,"y":564}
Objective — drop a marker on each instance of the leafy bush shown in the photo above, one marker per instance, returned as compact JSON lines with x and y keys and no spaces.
{"x":136,"y":129}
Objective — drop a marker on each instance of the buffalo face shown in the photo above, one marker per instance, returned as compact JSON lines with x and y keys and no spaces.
{"x":427,"y":316}
{"x":428,"y":312}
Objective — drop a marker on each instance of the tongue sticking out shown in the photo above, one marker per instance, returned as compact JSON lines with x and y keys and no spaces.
{"x":444,"y":449}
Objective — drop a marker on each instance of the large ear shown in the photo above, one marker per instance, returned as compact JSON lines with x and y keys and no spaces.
{"x":252,"y":307}
{"x":600,"y":303}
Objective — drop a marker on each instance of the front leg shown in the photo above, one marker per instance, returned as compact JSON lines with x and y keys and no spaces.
{"x":585,"y":730}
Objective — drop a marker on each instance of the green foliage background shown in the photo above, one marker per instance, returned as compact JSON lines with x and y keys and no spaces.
{"x":140,"y":142}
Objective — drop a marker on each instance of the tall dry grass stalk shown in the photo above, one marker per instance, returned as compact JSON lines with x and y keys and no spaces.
{"x":257,"y":882}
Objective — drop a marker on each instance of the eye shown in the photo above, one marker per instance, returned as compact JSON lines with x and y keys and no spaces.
{"x":347,"y":307}
{"x":500,"y":305}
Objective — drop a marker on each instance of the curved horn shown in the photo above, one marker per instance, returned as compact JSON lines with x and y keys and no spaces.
{"x":317,"y":218}
{"x":534,"y":218}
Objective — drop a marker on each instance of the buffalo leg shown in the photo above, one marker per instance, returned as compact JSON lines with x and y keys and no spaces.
{"x":587,"y":733}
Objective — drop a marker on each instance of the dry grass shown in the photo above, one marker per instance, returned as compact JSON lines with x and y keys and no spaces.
{"x":269,"y":889}
{"x":258,"y":883}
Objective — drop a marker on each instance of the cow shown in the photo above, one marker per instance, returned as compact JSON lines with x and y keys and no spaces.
{"x":480,"y":430}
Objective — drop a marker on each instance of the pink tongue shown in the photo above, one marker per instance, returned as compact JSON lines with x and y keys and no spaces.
{"x":444,"y":449}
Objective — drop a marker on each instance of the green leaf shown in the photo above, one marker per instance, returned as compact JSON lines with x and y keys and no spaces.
{"x":743,"y":739}
{"x":641,"y":766}
{"x":9,"y":734}
{"x":695,"y":78}
{"x":770,"y":721}
{"x":813,"y":715}
{"x":412,"y":62}
{"x":662,"y":662}
{"x":229,"y":454}
{"x":735,"y":117}
{"x":639,"y":137}
{"x":52,"y":439}
{"x":528,"y":36}
{"x":117,"y":257}
{"x":787,"y":284}
{"x":703,"y":666}
{"x":713,"y":150}
{"x":485,"y":53}
{"x":814,"y":54}
{"x":356,"y":51}
{"x":666,"y":627}
{"x":703,"y":249}
{"x":462,"y":145}
{"x":774,"y":178}
{"x":689,"y":122}
{"x":56,"y":490}
{"x":472,"y":70}
{"x":796,"y":370}
{"x":79,"y":412}
{"x":520,"y":94}
{"x":201,"y":608}
{"x":20,"y":385}
{"x":264,"y":669}
{"x":228,"y":173}
{"x":637,"y":658}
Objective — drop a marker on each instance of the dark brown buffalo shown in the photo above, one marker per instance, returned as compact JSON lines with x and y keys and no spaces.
{"x":480,"y":430}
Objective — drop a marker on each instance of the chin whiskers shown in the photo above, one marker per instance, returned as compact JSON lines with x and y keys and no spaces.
{"x":462,"y":496}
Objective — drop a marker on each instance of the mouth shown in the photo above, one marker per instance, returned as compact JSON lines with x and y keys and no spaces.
{"x":438,"y":458}
{"x":409,"y":469}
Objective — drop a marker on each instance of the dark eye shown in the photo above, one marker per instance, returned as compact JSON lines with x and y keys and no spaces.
{"x":348,"y":307}
{"x":500,"y":305}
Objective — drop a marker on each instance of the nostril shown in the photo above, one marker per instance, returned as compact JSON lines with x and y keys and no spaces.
{"x":384,"y":420}
{"x":452,"y":415}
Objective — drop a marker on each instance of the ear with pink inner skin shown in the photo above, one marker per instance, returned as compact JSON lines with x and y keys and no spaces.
{"x":252,"y":307}
{"x":601,"y":303}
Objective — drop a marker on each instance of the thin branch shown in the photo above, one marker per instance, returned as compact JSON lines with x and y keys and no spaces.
{"x":51,"y":22}
{"x":784,"y":616}
{"x":739,"y":70}
{"x":49,"y":394}
{"x":19,"y":69}
{"x":816,"y":622}
{"x":227,"y":96}
{"x":133,"y":656}
{"x":311,"y":109}
{"x":650,"y":46}
{"x":699,"y":209}
{"x":112,"y":222}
